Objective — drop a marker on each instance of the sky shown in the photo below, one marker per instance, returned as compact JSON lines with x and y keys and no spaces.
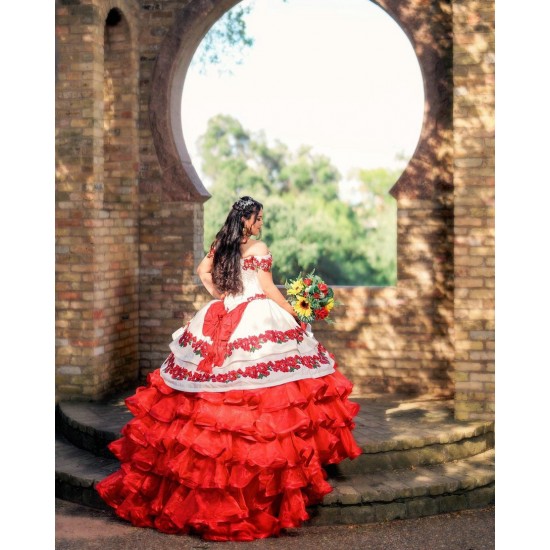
{"x":338,"y":75}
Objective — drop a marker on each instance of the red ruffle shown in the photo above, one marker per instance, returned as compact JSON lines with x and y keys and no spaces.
{"x":238,"y":465}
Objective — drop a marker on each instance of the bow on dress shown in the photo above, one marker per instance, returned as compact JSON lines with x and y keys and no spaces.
{"x":219,"y":324}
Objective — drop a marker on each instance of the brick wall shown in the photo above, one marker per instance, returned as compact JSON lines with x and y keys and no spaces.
{"x":97,"y":295}
{"x":474,"y":196}
{"x":168,"y":289}
{"x":170,"y":230}
{"x":397,"y":340}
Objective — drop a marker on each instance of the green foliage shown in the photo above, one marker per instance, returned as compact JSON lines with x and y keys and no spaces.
{"x":226,"y":41}
{"x":306,"y":225}
{"x":224,"y":44}
{"x":378,"y":212}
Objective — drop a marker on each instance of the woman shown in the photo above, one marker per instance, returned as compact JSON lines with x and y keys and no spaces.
{"x":230,"y":434}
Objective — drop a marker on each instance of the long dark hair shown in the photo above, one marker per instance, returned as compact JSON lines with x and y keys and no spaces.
{"x":226,"y":273}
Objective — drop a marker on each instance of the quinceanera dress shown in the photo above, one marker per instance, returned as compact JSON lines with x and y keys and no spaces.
{"x":230,"y":434}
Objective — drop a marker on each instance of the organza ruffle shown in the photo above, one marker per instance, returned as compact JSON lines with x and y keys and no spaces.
{"x":238,"y":465}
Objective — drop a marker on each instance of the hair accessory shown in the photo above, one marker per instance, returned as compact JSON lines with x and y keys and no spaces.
{"x":242,"y":204}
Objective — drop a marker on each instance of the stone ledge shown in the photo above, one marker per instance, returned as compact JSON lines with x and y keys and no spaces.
{"x":389,"y":486}
{"x":429,"y":454}
{"x":376,"y":512}
{"x":80,"y":467}
{"x":442,"y":434}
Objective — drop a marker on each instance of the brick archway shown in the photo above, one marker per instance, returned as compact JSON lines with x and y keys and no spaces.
{"x":374,"y":339}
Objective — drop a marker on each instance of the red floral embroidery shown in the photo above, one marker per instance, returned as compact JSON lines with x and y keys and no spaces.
{"x":250,"y":343}
{"x":260,"y":370}
{"x":253,"y":343}
{"x":258,"y":262}
{"x":199,"y":347}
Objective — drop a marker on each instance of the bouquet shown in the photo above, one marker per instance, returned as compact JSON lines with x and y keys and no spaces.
{"x":310,"y":297}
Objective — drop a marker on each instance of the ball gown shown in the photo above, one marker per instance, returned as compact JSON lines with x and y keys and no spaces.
{"x":229,"y":436}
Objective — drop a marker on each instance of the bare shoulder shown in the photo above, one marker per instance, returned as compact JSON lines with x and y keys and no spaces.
{"x":256,"y":248}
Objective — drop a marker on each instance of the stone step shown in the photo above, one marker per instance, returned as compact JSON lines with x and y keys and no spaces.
{"x":359,"y":498}
{"x":408,"y":493}
{"x":414,"y":453}
{"x":92,"y":425}
{"x":392,"y":434}
{"x":77,"y":471}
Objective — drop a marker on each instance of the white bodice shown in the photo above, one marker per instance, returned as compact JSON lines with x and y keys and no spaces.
{"x":225,"y":347}
{"x":250,"y":265}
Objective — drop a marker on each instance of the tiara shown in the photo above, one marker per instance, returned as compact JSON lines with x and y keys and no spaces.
{"x":241,"y":205}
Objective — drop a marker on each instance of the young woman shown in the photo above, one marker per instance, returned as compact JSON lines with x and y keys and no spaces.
{"x":230,"y":434}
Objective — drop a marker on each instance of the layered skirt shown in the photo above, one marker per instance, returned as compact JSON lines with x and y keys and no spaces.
{"x":235,"y":465}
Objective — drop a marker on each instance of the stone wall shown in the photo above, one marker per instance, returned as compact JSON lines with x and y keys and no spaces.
{"x":129,"y":207}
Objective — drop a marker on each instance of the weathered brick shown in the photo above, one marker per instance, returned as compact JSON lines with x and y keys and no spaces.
{"x":474,"y":78}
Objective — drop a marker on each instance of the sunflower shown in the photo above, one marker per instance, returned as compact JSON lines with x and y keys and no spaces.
{"x":330,"y":304}
{"x":296,"y":287}
{"x":303,"y":308}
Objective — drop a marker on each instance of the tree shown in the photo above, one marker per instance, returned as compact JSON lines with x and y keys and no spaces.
{"x":224,"y":44}
{"x":378,"y":210}
{"x":306,"y":225}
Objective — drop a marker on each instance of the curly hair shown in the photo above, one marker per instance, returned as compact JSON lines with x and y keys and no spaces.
{"x":226,"y":271}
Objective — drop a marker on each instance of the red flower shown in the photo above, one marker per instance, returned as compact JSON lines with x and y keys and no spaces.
{"x":323,"y":287}
{"x":307,"y":282}
{"x":321,"y":313}
{"x":316,"y":295}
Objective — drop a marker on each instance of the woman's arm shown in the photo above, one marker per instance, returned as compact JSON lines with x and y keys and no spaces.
{"x":204,"y":271}
{"x":265,"y":278}
{"x":272,"y":292}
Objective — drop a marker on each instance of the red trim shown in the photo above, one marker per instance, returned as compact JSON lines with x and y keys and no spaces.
{"x":250,"y":343}
{"x":259,"y":370}
{"x":253,"y":343}
{"x":254,"y":263}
